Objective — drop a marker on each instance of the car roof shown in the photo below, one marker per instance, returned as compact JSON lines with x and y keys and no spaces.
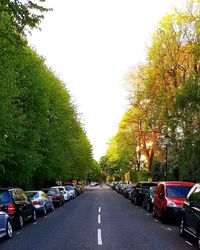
{"x":177,"y":183}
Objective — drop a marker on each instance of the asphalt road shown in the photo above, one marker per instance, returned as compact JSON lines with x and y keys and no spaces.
{"x":98,"y":219}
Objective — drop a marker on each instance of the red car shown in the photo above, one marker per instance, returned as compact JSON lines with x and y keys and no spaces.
{"x":169,"y":198}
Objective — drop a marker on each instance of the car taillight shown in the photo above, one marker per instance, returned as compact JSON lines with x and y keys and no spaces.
{"x":11,"y":209}
{"x":53,"y":198}
{"x":36,"y":203}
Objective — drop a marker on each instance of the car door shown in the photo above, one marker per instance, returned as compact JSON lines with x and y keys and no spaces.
{"x":25,"y":205}
{"x":46,"y":200}
{"x":192,"y":211}
{"x":159,"y":199}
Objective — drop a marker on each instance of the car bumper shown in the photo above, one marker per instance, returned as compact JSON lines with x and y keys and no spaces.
{"x":173,"y":212}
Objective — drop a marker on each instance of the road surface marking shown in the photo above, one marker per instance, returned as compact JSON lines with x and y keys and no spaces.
{"x":169,"y":229}
{"x":99,"y":219}
{"x":99,"y":209}
{"x":18,"y":233}
{"x":35,"y":223}
{"x":164,"y":227}
{"x":147,"y":214}
{"x":156,"y":220}
{"x":188,"y":243}
{"x":99,"y":238}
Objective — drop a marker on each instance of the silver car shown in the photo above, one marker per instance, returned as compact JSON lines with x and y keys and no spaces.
{"x":5,"y":225}
{"x":41,"y":201}
{"x":71,"y":191}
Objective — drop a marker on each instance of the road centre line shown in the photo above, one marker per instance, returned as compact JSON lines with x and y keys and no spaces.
{"x":164,"y":228}
{"x":99,"y":219}
{"x":99,"y":237}
{"x":169,"y":229}
{"x":99,"y":209}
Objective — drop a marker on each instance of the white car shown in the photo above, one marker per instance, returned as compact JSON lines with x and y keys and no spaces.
{"x":64,"y":192}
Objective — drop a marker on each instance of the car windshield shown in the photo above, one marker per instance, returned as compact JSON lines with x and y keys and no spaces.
{"x":4,"y":198}
{"x":177,"y":191}
{"x":52,"y":192}
{"x":69,"y":188}
{"x":31,"y":194}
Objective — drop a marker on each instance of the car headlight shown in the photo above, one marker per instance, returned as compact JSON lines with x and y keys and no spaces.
{"x":171,"y":204}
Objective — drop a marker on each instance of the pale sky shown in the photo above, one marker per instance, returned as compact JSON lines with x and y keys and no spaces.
{"x":91,"y":45}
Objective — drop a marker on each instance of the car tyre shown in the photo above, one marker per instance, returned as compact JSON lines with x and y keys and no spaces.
{"x":44,"y":211}
{"x":153,"y":213}
{"x":34,"y":216}
{"x":182,"y":227}
{"x":20,"y":223}
{"x":9,"y":230}
{"x":198,"y":241}
{"x":135,"y":201}
{"x":148,"y":207}
{"x":52,"y":208}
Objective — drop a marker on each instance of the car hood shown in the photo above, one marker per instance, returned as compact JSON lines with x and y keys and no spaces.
{"x":177,"y":201}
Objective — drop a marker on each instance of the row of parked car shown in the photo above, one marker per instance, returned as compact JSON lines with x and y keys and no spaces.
{"x":18,"y":206}
{"x":167,"y":200}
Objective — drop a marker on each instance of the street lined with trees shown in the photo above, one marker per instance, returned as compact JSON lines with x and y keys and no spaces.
{"x":160,"y":132}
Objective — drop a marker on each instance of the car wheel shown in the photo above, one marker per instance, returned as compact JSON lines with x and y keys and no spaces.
{"x":182,"y":228}
{"x":34,"y":216}
{"x":135,"y":201}
{"x":148,"y":207}
{"x":44,"y":211}
{"x":52,"y":208}
{"x":163,"y":218}
{"x":20,"y":223}
{"x":60,"y":203}
{"x":9,"y":230}
{"x":154,"y":213}
{"x":198,"y":242}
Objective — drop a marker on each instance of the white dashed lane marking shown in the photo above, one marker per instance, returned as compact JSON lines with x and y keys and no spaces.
{"x":99,"y":237}
{"x":99,"y":219}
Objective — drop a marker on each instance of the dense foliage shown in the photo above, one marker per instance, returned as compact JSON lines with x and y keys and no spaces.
{"x":41,"y":137}
{"x":164,"y":103}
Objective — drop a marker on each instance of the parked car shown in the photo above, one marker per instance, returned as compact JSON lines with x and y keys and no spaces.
{"x":190,"y":217}
{"x":71,"y":192}
{"x":15,"y":203}
{"x":169,"y":198}
{"x":137,"y":195}
{"x":56,"y":196}
{"x":40,"y":201}
{"x":63,"y":191}
{"x":148,"y":202}
{"x":6,"y":229}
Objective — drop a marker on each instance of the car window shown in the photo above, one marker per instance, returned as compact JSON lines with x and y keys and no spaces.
{"x":195,"y":195}
{"x":4,"y":198}
{"x":43,"y":195}
{"x":18,"y":195}
{"x":31,"y":194}
{"x":177,"y":191}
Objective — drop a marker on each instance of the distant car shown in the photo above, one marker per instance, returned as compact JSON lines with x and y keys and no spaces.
{"x":6,"y":229}
{"x":41,"y":201}
{"x":63,"y":191}
{"x":148,"y":202}
{"x":190,"y":217}
{"x":169,"y":198}
{"x":15,"y":203}
{"x":71,"y":191}
{"x":56,"y":196}
{"x":137,"y":195}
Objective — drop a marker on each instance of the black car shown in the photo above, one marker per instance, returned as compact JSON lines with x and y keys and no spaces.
{"x":149,"y":199}
{"x":190,"y":219}
{"x":56,"y":196}
{"x":15,"y":203}
{"x":137,"y":195}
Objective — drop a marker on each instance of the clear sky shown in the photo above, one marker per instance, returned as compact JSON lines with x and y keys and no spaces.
{"x":91,"y":45}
